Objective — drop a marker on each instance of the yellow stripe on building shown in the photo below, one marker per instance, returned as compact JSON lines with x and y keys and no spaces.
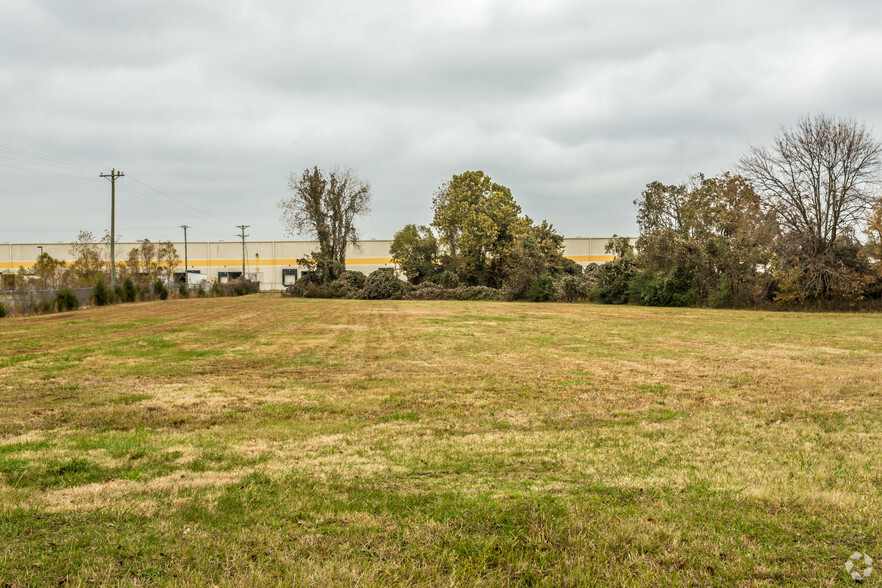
{"x":591,"y":258}
{"x":252,"y":263}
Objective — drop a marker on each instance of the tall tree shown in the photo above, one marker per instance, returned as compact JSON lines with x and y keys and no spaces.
{"x":167,"y":260}
{"x":48,"y":271}
{"x":819,"y":178}
{"x":325,"y":207}
{"x":148,"y":257}
{"x":701,"y":241}
{"x":477,"y":219}
{"x":88,"y":260}
{"x":133,"y":264}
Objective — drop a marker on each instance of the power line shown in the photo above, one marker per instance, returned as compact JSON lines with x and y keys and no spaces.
{"x":38,"y":160}
{"x":150,"y":203}
{"x":40,"y":171}
{"x":47,"y":157}
{"x":174,"y":211}
{"x":182,"y":203}
{"x":55,"y":165}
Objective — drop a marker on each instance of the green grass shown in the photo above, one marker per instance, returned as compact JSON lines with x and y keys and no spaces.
{"x":264,"y":440}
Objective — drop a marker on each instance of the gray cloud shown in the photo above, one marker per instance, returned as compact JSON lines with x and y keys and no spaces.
{"x":574,"y":105}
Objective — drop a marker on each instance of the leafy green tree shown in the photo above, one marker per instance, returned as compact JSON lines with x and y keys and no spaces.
{"x":415,"y":250}
{"x":476,"y":219}
{"x":612,"y":284}
{"x":325,"y":206}
{"x":701,"y":242}
{"x":533,"y":261}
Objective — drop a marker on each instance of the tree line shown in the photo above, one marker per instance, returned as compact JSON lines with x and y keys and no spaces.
{"x":782,"y":229}
{"x":480,"y":245}
{"x":147,"y":274}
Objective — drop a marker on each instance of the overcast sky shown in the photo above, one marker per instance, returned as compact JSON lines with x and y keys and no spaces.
{"x":207,"y":106}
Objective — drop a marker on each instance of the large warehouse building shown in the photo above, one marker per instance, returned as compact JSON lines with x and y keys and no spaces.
{"x":272,"y":263}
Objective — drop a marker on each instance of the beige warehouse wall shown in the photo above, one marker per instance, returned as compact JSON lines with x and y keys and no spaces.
{"x":266,"y":259}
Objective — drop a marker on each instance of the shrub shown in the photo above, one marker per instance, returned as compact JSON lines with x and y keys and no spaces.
{"x":119,"y":293}
{"x":237,"y":287}
{"x":355,"y":279}
{"x":2,"y":310}
{"x":215,"y":289}
{"x":66,"y":299}
{"x":102,"y":294}
{"x":183,"y":291}
{"x":314,"y":290}
{"x":160,"y":290}
{"x":613,"y":282}
{"x":428,"y":291}
{"x":448,"y":279}
{"x":572,"y":289}
{"x":542,"y":290}
{"x":129,"y":289}
{"x":299,"y":287}
{"x":241,"y":287}
{"x":673,"y":288}
{"x":341,"y":289}
{"x":44,"y":306}
{"x":384,"y":285}
{"x":200,"y":291}
{"x":476,"y":293}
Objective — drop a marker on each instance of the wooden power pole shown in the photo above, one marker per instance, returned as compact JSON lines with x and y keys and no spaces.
{"x":112,"y":176}
{"x":243,"y":235}
{"x":186,"y":264}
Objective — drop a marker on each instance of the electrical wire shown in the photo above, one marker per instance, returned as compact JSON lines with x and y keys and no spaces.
{"x":173,"y":208}
{"x":182,"y":203}
{"x":41,"y":171}
{"x":47,"y":157}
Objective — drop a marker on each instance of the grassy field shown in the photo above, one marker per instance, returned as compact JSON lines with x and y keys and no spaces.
{"x":263,"y":440}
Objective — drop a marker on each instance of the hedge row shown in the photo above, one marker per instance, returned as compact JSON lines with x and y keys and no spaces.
{"x":385,"y":285}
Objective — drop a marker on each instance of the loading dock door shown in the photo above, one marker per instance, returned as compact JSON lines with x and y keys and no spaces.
{"x":289,"y":276}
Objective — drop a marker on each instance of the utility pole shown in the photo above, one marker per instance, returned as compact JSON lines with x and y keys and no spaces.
{"x":186,"y":264}
{"x":112,"y":176}
{"x":243,"y":235}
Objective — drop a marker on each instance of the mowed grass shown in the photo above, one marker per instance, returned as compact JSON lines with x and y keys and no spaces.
{"x":271,"y":441}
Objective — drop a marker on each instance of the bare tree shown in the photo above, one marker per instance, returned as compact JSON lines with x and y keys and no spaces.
{"x":325,"y":207}
{"x":133,"y":264}
{"x":49,"y":271}
{"x":819,"y":178}
{"x":167,"y":259}
{"x":88,"y":260}
{"x":148,"y":258}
